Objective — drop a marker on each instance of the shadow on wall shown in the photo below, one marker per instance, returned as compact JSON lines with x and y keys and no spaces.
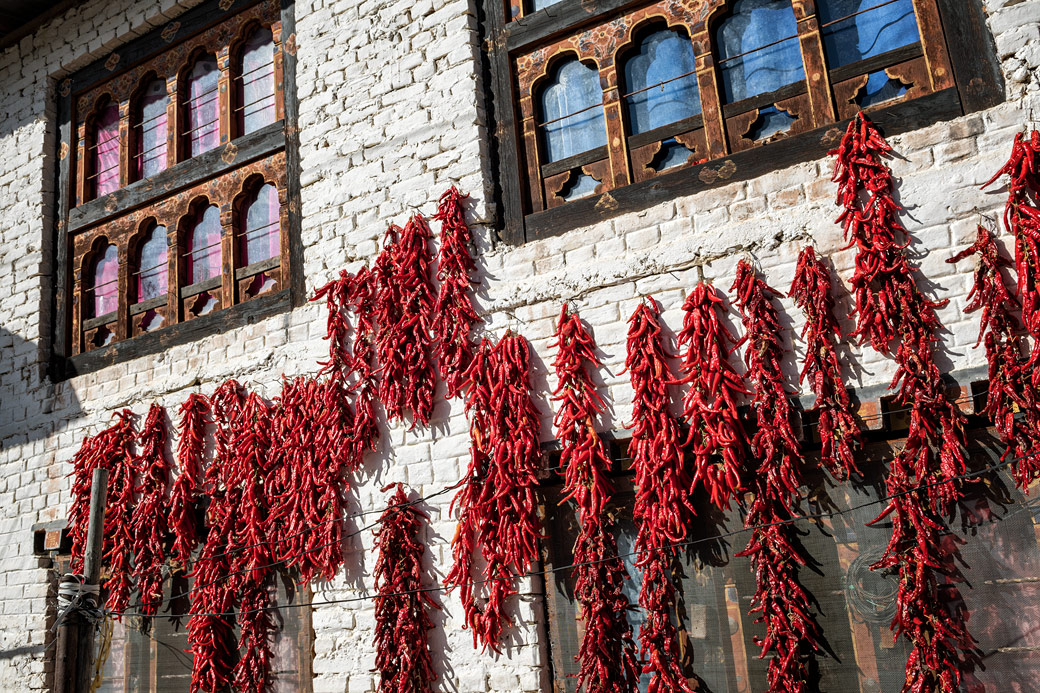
{"x":31,"y":406}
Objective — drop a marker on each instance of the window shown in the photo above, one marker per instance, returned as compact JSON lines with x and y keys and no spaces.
{"x":603,"y":108}
{"x":1001,"y":563}
{"x":184,"y":165}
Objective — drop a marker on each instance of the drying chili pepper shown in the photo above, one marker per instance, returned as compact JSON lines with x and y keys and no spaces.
{"x":716,"y":435}
{"x":150,"y":523}
{"x":890,"y":305}
{"x":404,"y":311}
{"x":497,"y":504}
{"x":1010,"y":386}
{"x":792,"y":632}
{"x":607,"y":652}
{"x":402,"y":602}
{"x":454,"y":315}
{"x":337,"y":328}
{"x":190,"y":447}
{"x":662,"y":509}
{"x":361,"y":298}
{"x":1022,"y":220}
{"x":839,"y":432}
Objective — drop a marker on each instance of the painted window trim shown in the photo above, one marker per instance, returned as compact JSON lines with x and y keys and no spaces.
{"x":976,"y":84}
{"x":279,"y":139}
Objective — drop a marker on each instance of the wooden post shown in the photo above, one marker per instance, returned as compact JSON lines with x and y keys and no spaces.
{"x":91,"y":574}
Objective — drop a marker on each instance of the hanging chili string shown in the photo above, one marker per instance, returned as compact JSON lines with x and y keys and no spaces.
{"x":716,"y":435}
{"x":402,"y":603}
{"x":607,"y":653}
{"x":361,"y":298}
{"x":1010,"y":387}
{"x":839,"y":433}
{"x":792,"y":633}
{"x":150,"y":522}
{"x":454,"y":315}
{"x":211,"y":637}
{"x":497,"y":515}
{"x":662,"y":509}
{"x":337,"y":327}
{"x":190,"y":447}
{"x":891,"y":307}
{"x":1022,"y":220}
{"x":404,"y":311}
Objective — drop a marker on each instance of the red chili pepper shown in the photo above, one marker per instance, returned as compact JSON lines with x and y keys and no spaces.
{"x":497,"y":515}
{"x":890,"y":306}
{"x":150,"y":521}
{"x":716,"y":434}
{"x":190,"y":447}
{"x":792,"y":632}
{"x":662,"y":509}
{"x":839,"y":432}
{"x":454,"y":315}
{"x":402,"y":602}
{"x":607,"y":651}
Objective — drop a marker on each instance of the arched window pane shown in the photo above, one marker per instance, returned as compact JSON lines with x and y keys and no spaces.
{"x":106,"y":150}
{"x":857,"y":29}
{"x":572,"y":111}
{"x":203,"y":107}
{"x":256,"y":91}
{"x":151,"y":266}
{"x":660,"y":82}
{"x":105,"y":278}
{"x":261,"y":233}
{"x":151,"y":130}
{"x":758,"y":49}
{"x":204,"y":253}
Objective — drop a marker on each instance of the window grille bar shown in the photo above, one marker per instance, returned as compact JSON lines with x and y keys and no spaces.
{"x":659,"y":84}
{"x":755,"y":50}
{"x":859,"y":12}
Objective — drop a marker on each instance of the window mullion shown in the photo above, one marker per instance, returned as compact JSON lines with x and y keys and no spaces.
{"x":123,"y":295}
{"x":78,"y":300}
{"x":82,"y":170}
{"x":617,"y":145}
{"x":934,"y":45}
{"x":125,"y":156}
{"x":279,"y":71}
{"x":173,"y":120}
{"x":174,"y":252}
{"x":710,"y":94}
{"x":224,"y":94}
{"x":227,"y":255}
{"x":816,"y":78}
{"x":534,"y":167}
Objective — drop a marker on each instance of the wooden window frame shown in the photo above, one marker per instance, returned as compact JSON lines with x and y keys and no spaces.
{"x":220,"y":175}
{"x":519,"y":52}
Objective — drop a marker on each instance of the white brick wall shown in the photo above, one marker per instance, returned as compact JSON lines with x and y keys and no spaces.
{"x":390,"y":116}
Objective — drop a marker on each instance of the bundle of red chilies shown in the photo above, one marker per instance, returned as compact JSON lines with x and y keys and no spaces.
{"x":274,"y":491}
{"x":891,"y":309}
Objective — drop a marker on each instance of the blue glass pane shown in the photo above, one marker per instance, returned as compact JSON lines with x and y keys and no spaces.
{"x":204,"y":255}
{"x":572,"y":111}
{"x":542,"y":4}
{"x":770,"y":121}
{"x":880,"y":87}
{"x":151,"y":265}
{"x":581,"y":185}
{"x":758,"y":49}
{"x":861,"y":29}
{"x":672,"y":154}
{"x":660,"y":82}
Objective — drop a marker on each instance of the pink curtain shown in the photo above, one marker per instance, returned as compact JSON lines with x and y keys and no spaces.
{"x":203,"y":106}
{"x":106,"y":281}
{"x":151,"y":133}
{"x":204,"y":256}
{"x":261,"y":232}
{"x":106,"y":150}
{"x":152,"y":269}
{"x":256,"y":92}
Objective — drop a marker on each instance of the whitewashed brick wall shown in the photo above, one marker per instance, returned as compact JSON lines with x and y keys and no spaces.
{"x":390,"y":116}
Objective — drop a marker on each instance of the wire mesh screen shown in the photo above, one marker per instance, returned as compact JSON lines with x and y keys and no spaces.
{"x":158,"y":659}
{"x":1000,"y":561}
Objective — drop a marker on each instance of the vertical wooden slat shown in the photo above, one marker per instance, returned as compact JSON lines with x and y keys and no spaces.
{"x":125,"y":157}
{"x":227,"y":255}
{"x":173,"y":275}
{"x":930,"y":27}
{"x":61,"y":325}
{"x":173,"y":121}
{"x":283,"y":238}
{"x":534,"y":173}
{"x":710,"y":89}
{"x":980,"y":81}
{"x":123,"y":298}
{"x":77,"y":311}
{"x":82,"y":184}
{"x":617,"y":143}
{"x":817,"y":80}
{"x":292,"y":276}
{"x":279,"y":72}
{"x":224,"y":94}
